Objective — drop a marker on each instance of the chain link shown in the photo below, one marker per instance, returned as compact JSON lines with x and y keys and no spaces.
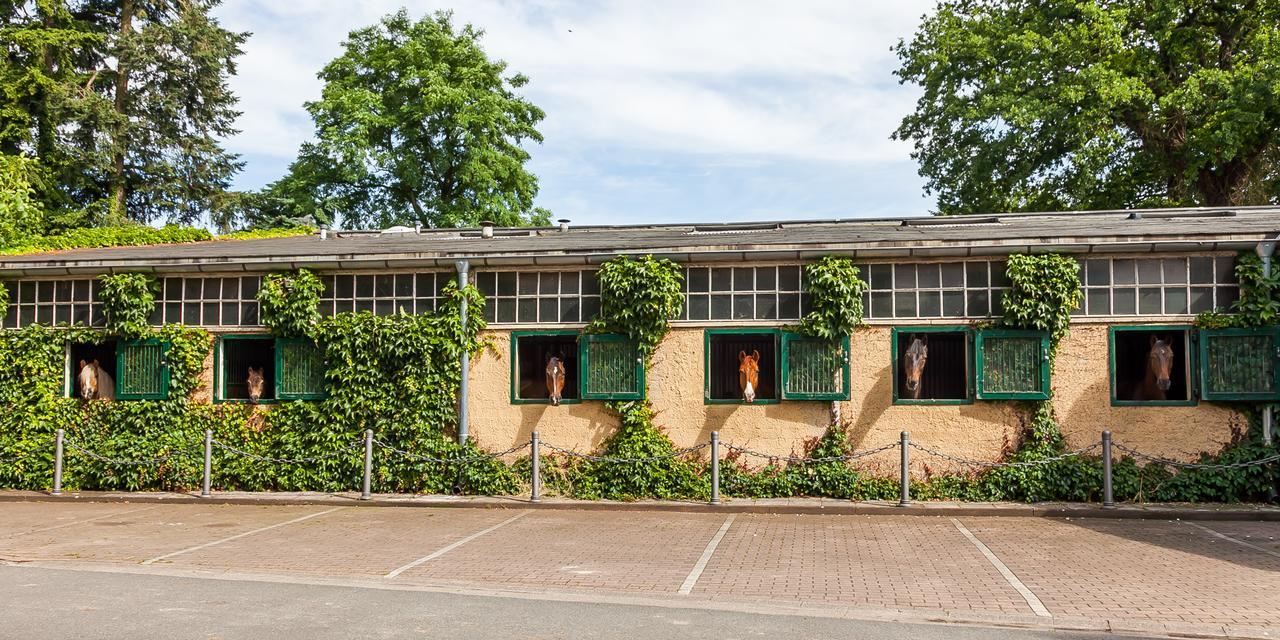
{"x":665,"y":456}
{"x":422,"y":458}
{"x":793,"y":459}
{"x":127,"y":463}
{"x":992,"y":465}
{"x":254,"y":456}
{"x":1195,"y":465}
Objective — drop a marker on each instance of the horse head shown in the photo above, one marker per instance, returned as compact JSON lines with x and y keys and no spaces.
{"x":1160,"y":362}
{"x":913,"y":362}
{"x":87,"y":379}
{"x":555,"y":379}
{"x":255,"y":384}
{"x":749,"y":374}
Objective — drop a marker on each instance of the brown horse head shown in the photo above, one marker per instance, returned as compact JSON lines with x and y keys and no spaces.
{"x":913,"y":362}
{"x":87,"y":379}
{"x":749,"y":374}
{"x":556,"y":372}
{"x":255,"y":384}
{"x":1160,"y":363}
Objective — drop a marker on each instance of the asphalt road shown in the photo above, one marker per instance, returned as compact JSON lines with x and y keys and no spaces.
{"x":64,"y":604}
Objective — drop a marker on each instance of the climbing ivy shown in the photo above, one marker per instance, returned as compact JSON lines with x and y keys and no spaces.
{"x":1259,"y":301}
{"x":128,"y":300}
{"x":834,"y":291}
{"x":4,"y":301}
{"x":1044,"y":290}
{"x":289,"y":303}
{"x":638,"y":297}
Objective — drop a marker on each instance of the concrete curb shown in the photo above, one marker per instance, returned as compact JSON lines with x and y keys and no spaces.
{"x":806,"y":506}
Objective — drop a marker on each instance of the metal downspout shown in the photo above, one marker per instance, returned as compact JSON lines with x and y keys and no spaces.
{"x":463,"y":395}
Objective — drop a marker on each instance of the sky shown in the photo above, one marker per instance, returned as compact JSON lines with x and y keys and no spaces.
{"x":657,"y":111}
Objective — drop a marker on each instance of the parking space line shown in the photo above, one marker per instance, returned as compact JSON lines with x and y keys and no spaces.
{"x":1230,"y":539}
{"x":454,"y":545}
{"x":238,"y":536}
{"x":72,"y":524}
{"x":692,"y":579}
{"x":1032,"y":601}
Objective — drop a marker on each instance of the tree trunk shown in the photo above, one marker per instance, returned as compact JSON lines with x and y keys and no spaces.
{"x":118,"y":189}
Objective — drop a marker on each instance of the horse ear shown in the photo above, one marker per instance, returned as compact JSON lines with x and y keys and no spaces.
{"x":1153,"y":339}
{"x":755,"y":355}
{"x":742,"y":355}
{"x":924,"y":339}
{"x":83,"y":364}
{"x":95,"y":363}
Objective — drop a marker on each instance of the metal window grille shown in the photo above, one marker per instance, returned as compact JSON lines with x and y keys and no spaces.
{"x":53,"y":302}
{"x":209,"y":302}
{"x":539,"y":297}
{"x":970,"y":289}
{"x":744,"y":293}
{"x":612,"y":368}
{"x":383,"y":294}
{"x":1174,"y":286}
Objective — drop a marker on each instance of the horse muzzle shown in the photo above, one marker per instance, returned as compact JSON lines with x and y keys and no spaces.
{"x":1164,"y":383}
{"x":555,"y":401}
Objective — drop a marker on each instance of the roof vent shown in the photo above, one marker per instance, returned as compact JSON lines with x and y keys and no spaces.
{"x":950,"y":221}
{"x":486,"y":229}
{"x":1135,"y":215}
{"x":564,"y":225}
{"x":397,"y":229}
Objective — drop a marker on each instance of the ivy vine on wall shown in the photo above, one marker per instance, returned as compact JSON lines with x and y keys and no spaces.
{"x":4,"y":301}
{"x":128,"y":299}
{"x":834,"y":290}
{"x":638,"y":298}
{"x":289,"y":302}
{"x":1044,"y":289}
{"x":1259,"y":301}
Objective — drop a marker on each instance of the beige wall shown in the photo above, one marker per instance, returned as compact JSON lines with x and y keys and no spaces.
{"x":979,"y":431}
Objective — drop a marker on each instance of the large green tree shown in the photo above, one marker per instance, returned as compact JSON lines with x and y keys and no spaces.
{"x":123,"y":103}
{"x":415,"y":124}
{"x":1070,"y":104}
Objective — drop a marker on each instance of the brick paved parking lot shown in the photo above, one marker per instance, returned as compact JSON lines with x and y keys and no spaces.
{"x":1208,"y":578}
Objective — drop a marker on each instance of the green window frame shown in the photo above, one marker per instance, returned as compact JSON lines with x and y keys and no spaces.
{"x":1219,"y":365}
{"x":993,"y":362}
{"x":142,"y":369}
{"x":515,"y":365}
{"x":299,"y":360}
{"x":219,"y":371}
{"x":806,"y":364}
{"x":706,"y":362}
{"x":610,"y":368}
{"x":968,"y":364}
{"x":1190,"y":349}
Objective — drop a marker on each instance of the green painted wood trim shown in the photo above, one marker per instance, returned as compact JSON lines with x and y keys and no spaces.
{"x":980,"y":360}
{"x":306,"y":395}
{"x":121,"y":347}
{"x":515,"y":373}
{"x":584,"y":366}
{"x":784,"y":358}
{"x":220,"y":376}
{"x":706,"y":361}
{"x":968,"y":365}
{"x":1189,"y":348}
{"x":1208,"y":393}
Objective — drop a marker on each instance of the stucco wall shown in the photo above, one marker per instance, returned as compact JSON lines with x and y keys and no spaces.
{"x":979,"y":431}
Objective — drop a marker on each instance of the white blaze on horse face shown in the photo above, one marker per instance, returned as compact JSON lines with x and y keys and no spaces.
{"x":555,"y":380}
{"x":749,"y":393}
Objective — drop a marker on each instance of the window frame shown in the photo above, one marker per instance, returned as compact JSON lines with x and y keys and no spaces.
{"x":219,"y":375}
{"x":968,"y":333}
{"x":1191,"y":350}
{"x":584,"y":365}
{"x":775,"y":332}
{"x":981,"y":335}
{"x":279,"y":357}
{"x":787,"y":337}
{"x":515,"y":368}
{"x":1202,"y":366}
{"x":121,"y":346}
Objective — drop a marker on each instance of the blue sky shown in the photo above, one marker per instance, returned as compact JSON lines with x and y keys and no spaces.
{"x":657,"y":111}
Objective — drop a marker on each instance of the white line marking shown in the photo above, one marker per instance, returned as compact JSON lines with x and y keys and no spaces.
{"x":1230,"y":539}
{"x":238,"y":536}
{"x":454,"y":545}
{"x":692,"y":579}
{"x":72,"y":524}
{"x":1034,"y":602}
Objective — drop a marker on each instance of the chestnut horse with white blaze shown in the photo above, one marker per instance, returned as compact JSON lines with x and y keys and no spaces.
{"x":255,"y":383}
{"x":556,"y":373}
{"x":749,"y":375}
{"x":94,"y":382}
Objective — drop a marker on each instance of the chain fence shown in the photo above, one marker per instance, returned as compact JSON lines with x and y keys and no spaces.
{"x":465,"y":460}
{"x":1020,"y":464}
{"x":126,"y":463}
{"x":1196,"y":465}
{"x":666,"y":456}
{"x":259,"y":458}
{"x":805,"y":460}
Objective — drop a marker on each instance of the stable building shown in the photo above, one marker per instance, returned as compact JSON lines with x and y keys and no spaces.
{"x":936,"y":281}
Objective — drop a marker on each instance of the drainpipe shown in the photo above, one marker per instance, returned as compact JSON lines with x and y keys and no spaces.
{"x":1265,"y":251}
{"x":463,"y":266}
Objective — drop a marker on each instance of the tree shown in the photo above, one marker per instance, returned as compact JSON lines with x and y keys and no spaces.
{"x":416,"y":124}
{"x":21,"y":215}
{"x":1084,"y":104}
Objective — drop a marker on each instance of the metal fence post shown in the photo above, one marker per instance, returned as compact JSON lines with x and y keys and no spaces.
{"x":208,"y":462}
{"x":367,"y":486}
{"x":905,"y":445}
{"x":57,"y":465}
{"x":715,"y":467}
{"x":535,"y":493}
{"x":1108,"y":499}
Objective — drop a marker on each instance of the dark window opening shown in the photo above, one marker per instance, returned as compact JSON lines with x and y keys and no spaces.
{"x":240,"y":355}
{"x":83,"y":352}
{"x":724,"y":362}
{"x":1132,"y":360}
{"x":532,"y":355}
{"x":946,"y":369}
